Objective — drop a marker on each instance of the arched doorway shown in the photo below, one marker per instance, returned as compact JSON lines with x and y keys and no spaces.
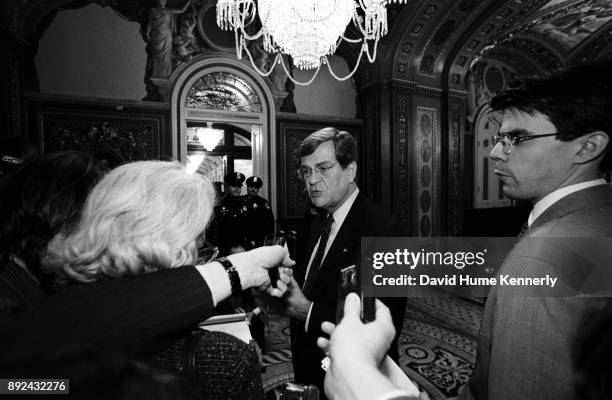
{"x":230,"y":110}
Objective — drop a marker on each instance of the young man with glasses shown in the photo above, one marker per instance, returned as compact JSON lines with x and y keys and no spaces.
{"x":553,"y":150}
{"x":329,"y":170}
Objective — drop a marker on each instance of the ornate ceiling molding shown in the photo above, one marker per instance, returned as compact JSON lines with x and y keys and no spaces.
{"x":593,"y":48}
{"x":421,"y":51}
{"x":486,"y":30}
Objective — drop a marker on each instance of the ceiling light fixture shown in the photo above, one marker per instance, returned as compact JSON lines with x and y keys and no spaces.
{"x":307,"y":30}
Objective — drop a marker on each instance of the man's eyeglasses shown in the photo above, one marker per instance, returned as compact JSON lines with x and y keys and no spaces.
{"x":320,"y":170}
{"x":507,"y":140}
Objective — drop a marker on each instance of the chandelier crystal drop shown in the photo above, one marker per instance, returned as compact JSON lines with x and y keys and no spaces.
{"x":307,"y":30}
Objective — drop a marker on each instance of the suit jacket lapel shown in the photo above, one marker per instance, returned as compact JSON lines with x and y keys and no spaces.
{"x":590,"y":197}
{"x":313,"y":237}
{"x":346,"y":239}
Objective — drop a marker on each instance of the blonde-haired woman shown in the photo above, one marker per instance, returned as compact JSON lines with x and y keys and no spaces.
{"x":140,"y":217}
{"x":147,"y":216}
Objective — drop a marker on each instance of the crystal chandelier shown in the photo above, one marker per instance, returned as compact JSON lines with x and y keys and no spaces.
{"x":307,"y":30}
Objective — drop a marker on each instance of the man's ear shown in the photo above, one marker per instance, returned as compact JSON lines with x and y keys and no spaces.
{"x":592,"y":146}
{"x":352,"y":170}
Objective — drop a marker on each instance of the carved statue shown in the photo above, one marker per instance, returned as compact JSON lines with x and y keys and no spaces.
{"x":185,"y":44}
{"x":261,"y":58}
{"x":158,"y":34}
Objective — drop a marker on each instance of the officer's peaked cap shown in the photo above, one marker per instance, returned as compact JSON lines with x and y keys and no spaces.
{"x":254,"y":181}
{"x":235,"y":179}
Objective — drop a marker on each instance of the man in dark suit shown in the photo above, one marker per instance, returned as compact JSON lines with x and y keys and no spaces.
{"x":552,"y":150}
{"x":329,"y":168}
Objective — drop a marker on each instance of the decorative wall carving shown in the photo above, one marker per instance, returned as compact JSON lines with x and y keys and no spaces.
{"x":455,"y":203}
{"x":417,"y":29}
{"x":508,"y":15}
{"x":535,"y":50}
{"x":428,"y":64}
{"x":407,"y":47}
{"x":427,"y":132}
{"x":134,"y":135}
{"x":295,"y":201}
{"x":174,"y":41}
{"x":133,"y":141}
{"x":403,"y":187}
{"x":576,"y":24}
{"x":430,"y":11}
{"x":223,"y":91}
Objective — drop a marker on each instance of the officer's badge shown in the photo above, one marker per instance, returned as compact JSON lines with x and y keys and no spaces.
{"x":244,"y":208}
{"x":254,"y":205}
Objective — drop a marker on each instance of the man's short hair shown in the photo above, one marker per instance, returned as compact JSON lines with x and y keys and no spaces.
{"x":576,"y":100}
{"x":344,"y":144}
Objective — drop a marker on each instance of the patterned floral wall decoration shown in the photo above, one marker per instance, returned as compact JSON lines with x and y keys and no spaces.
{"x":128,"y":132}
{"x":427,"y":131}
{"x":131,"y":142}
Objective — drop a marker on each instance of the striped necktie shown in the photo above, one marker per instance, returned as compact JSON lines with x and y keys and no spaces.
{"x":328,"y":220}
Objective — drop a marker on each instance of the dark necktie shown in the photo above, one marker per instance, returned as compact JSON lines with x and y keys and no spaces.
{"x":328,"y":220}
{"x":524,"y":228}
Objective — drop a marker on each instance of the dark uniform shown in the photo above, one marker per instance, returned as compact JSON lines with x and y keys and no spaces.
{"x":232,"y":221}
{"x":229,"y":228}
{"x":259,"y":215}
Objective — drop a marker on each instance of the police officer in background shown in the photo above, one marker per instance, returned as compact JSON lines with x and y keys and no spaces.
{"x":229,"y":230}
{"x":233,"y":222}
{"x":259,"y":215}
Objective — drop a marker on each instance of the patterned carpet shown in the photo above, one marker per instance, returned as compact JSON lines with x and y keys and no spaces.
{"x":437,"y":346}
{"x":276,"y":359}
{"x":438,"y":343}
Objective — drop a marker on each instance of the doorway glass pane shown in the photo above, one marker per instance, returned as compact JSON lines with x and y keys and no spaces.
{"x":223,"y":91}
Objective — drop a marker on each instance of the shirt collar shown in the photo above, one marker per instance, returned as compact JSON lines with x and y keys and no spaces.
{"x":342,"y":211}
{"x":557,"y":195}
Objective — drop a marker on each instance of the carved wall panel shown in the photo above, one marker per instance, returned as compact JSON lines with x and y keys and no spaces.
{"x":493,"y":25}
{"x":455,"y":169}
{"x":403,"y":158}
{"x":134,"y":132}
{"x":426,"y":148}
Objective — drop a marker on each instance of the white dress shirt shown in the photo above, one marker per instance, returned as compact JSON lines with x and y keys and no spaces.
{"x":339,"y":217}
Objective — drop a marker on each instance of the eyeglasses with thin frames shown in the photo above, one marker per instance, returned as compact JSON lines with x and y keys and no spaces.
{"x":320,"y":170}
{"x":508,"y":140}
